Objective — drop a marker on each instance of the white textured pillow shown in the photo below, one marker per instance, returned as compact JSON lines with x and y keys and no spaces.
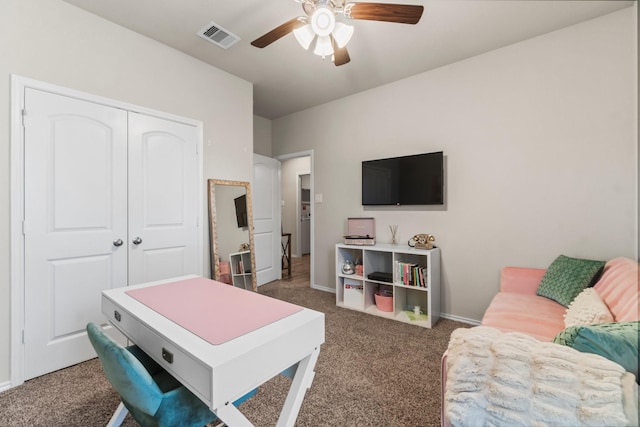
{"x":587,"y":309}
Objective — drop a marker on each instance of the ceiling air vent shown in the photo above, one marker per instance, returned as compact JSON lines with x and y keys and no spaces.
{"x":218,"y":35}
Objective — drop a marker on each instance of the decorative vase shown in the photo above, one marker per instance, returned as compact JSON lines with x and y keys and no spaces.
{"x":394,"y":234}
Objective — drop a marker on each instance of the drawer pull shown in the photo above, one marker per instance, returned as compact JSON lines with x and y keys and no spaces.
{"x":117,"y":315}
{"x":167,"y":355}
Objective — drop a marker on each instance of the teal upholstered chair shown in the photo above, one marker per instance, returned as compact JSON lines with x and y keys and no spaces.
{"x":148,"y":392}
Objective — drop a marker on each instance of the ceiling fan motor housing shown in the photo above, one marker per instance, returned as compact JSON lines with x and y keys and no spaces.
{"x":323,"y":20}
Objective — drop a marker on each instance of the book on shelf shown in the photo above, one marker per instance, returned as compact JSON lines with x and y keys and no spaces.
{"x":410,"y":274}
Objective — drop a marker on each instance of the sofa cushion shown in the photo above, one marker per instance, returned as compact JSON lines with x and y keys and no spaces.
{"x":587,"y":309}
{"x":533,"y":315}
{"x":566,"y":277}
{"x":616,"y":341}
{"x":618,"y":287}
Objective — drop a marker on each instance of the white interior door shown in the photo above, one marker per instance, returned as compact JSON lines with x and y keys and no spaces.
{"x":75,"y":215}
{"x":163,"y":199}
{"x":267,"y":234}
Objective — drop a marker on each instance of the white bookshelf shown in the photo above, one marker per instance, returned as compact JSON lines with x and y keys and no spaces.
{"x":241,"y":269}
{"x":357,"y":292}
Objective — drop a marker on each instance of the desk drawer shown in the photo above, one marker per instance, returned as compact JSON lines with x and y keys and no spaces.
{"x":189,"y":371}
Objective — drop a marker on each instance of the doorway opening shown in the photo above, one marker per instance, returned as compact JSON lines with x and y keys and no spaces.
{"x":297,"y":212}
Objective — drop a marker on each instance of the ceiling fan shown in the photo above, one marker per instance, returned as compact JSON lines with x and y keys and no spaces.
{"x":330,"y":35}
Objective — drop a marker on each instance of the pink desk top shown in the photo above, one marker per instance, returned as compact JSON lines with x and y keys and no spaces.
{"x":214,"y":311}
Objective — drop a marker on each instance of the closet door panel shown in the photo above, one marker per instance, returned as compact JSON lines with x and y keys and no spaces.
{"x":75,"y":208}
{"x":163,"y":199}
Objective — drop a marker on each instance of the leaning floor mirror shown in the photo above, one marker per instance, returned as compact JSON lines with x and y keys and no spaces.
{"x":231,"y":233}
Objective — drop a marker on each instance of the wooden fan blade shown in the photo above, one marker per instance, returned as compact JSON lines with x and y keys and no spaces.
{"x":401,"y":13}
{"x":279,"y":32}
{"x":340,"y":54}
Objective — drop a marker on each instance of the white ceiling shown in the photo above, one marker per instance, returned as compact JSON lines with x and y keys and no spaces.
{"x":287,"y":78}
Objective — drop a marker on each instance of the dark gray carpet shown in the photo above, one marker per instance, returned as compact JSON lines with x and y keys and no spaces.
{"x":371,"y":372}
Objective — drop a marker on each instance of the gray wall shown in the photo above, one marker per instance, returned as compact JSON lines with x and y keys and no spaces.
{"x":56,"y":42}
{"x":262,"y":136}
{"x":541,"y":156}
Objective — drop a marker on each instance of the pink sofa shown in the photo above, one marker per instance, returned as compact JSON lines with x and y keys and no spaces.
{"x":517,"y":308}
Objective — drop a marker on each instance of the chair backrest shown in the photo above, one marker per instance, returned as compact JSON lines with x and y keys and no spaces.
{"x":125,"y":373}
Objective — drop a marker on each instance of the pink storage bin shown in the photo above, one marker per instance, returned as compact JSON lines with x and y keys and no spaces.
{"x":384,"y":303}
{"x":225,"y":272}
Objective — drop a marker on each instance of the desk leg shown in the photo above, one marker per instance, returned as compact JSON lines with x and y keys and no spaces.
{"x":301,"y":382}
{"x":118,"y":416}
{"x":231,"y":416}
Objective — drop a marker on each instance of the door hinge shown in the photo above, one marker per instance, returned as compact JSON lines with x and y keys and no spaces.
{"x":24,"y":114}
{"x":23,"y":336}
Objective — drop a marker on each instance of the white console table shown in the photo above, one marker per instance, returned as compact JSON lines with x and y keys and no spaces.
{"x":219,"y":374}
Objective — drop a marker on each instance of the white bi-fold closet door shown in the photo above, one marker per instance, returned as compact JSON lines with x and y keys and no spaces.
{"x":110,"y":200}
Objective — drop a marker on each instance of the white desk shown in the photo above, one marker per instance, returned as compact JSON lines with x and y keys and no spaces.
{"x":220,"y":374}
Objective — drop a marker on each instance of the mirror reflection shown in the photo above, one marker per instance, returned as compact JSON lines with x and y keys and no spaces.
{"x":231,"y":233}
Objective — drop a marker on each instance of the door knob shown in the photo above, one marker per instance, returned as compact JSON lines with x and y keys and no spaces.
{"x":137,"y":241}
{"x":118,"y":242}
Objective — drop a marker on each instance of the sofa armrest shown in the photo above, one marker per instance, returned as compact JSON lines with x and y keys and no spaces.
{"x":520,"y":280}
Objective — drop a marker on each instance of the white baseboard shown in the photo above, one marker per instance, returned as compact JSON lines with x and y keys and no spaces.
{"x":460,"y":319}
{"x":324,"y":288}
{"x":5,"y":386}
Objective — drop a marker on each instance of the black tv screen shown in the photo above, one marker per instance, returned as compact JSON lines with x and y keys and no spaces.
{"x":241,"y":210}
{"x":407,"y":180}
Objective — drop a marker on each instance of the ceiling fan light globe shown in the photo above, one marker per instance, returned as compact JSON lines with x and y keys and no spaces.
{"x":342,"y":34}
{"x":323,"y":46}
{"x":323,"y":21}
{"x":304,"y":35}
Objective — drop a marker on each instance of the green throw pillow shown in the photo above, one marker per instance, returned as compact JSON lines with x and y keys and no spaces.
{"x":568,"y":336}
{"x":617,"y":341}
{"x":566,"y":277}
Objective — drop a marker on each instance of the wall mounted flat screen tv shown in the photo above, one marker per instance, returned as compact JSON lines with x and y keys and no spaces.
{"x":241,"y":211}
{"x":407,"y":180}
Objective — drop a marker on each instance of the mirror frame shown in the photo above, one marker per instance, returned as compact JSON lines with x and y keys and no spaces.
{"x":213,"y":237}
